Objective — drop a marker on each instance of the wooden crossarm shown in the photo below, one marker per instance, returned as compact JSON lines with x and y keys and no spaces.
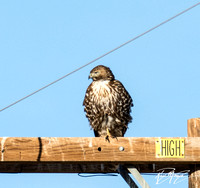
{"x":74,"y":155}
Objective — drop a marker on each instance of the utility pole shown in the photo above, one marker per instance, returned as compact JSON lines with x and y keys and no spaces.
{"x":194,"y":175}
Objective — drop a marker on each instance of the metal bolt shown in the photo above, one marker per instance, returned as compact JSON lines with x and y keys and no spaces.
{"x":121,"y":148}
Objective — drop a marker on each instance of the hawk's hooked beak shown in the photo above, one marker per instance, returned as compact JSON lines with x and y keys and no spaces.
{"x":90,"y":76}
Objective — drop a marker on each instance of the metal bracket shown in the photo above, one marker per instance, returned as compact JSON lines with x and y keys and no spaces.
{"x":124,"y":170}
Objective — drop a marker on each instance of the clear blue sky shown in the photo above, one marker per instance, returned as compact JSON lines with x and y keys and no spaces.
{"x":41,"y":41}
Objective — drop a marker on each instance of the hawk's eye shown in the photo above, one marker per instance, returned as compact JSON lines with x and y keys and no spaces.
{"x":95,"y":72}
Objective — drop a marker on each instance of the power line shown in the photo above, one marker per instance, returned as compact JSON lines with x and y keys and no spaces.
{"x":91,"y":175}
{"x":100,"y":57}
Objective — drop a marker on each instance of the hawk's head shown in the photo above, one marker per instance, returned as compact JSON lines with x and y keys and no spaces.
{"x":101,"y":72}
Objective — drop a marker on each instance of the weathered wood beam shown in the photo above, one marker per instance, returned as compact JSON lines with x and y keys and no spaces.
{"x":75,"y":155}
{"x":123,"y":150}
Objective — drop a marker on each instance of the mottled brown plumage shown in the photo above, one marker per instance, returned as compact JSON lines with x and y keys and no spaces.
{"x":107,"y":104}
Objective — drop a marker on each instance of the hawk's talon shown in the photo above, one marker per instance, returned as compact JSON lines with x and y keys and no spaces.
{"x":108,"y":135}
{"x":107,"y":138}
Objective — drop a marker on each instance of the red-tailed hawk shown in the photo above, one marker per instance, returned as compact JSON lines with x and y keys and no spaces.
{"x":107,"y":104}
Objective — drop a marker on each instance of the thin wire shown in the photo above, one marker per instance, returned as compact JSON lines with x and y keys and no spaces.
{"x":100,"y":57}
{"x":91,"y":175}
